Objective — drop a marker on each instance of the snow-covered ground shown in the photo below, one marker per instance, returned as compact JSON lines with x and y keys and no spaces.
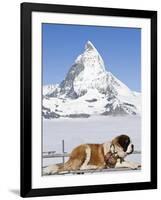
{"x":96,"y":129}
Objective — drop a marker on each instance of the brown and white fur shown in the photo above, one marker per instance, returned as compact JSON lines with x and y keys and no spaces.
{"x":92,"y":156}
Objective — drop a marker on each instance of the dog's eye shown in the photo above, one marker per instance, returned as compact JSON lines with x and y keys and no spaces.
{"x":126,"y":141}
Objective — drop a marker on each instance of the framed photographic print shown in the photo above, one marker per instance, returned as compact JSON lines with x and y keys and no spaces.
{"x":88,"y":99}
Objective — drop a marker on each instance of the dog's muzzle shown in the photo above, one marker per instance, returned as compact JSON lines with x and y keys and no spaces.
{"x":130,"y":149}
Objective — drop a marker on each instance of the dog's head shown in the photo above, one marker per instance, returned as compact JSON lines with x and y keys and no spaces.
{"x":122,"y":145}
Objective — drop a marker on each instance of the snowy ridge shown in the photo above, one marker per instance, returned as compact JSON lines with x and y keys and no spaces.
{"x":49,"y":89}
{"x":88,"y":89}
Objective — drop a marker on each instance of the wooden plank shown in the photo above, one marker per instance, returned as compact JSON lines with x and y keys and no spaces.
{"x":137,"y":152}
{"x":96,"y":171}
{"x":56,"y":155}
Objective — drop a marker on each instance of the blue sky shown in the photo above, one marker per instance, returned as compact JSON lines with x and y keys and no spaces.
{"x":120,"y":49}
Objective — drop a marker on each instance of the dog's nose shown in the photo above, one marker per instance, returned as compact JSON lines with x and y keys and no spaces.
{"x":132,"y":146}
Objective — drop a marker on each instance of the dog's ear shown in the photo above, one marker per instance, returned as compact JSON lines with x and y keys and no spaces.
{"x":112,"y":148}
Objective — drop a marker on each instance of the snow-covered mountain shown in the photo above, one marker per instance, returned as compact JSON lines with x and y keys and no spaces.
{"x":49,"y":89}
{"x":88,"y":89}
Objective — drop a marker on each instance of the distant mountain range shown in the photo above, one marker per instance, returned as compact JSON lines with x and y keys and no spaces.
{"x":88,"y":89}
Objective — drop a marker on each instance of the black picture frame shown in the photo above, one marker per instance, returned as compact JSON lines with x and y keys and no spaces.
{"x":26,"y":104}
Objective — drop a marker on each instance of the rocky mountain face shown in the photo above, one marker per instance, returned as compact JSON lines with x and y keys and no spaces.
{"x":88,"y":89}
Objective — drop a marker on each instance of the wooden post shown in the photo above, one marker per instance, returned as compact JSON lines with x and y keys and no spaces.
{"x":63,"y":151}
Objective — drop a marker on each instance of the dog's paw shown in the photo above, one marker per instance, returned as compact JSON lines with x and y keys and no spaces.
{"x":46,"y":171}
{"x":50,"y":170}
{"x":135,"y":166}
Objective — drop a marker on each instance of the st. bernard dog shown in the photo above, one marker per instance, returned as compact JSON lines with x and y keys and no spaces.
{"x":97,"y":156}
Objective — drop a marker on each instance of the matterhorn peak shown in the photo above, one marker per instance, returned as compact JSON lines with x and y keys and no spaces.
{"x":89,"y":46}
{"x":98,"y":91}
{"x":90,"y":58}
